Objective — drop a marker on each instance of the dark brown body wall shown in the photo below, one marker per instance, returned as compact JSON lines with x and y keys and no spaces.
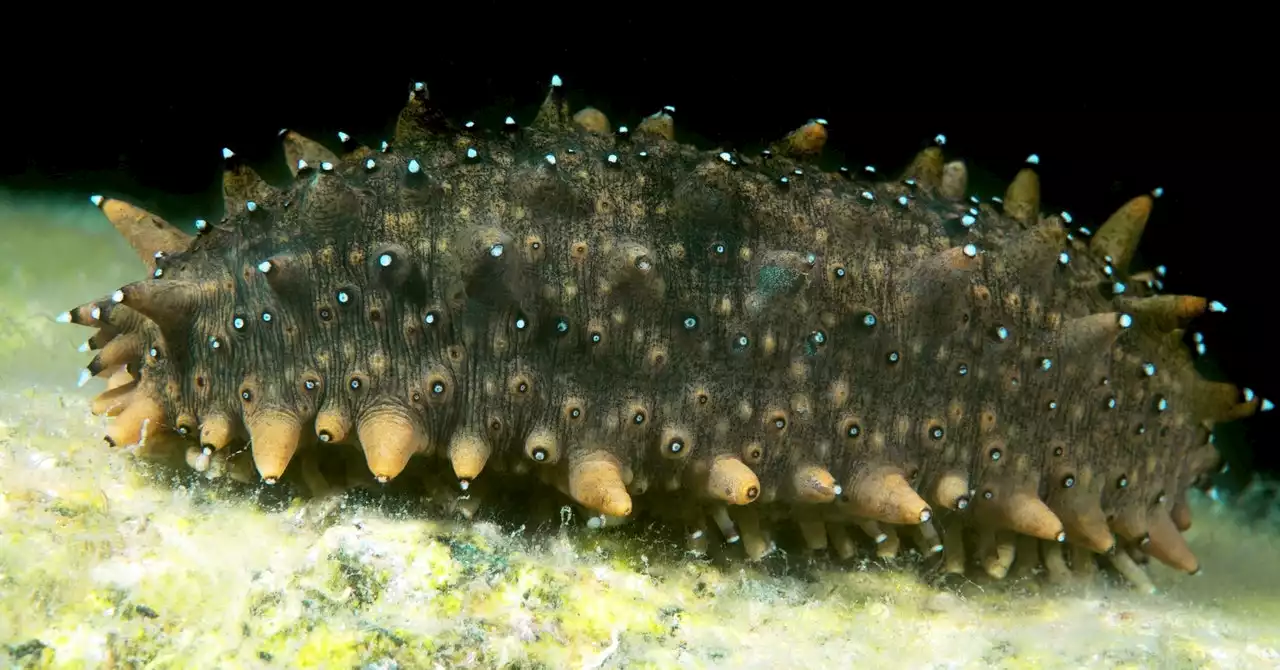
{"x":719,"y":339}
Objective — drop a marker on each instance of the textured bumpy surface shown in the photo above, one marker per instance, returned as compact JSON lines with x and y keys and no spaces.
{"x":714,"y":339}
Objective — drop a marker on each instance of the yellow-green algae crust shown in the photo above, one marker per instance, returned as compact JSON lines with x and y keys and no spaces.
{"x":108,"y":562}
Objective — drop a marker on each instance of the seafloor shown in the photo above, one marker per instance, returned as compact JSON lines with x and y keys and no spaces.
{"x":106,"y":562}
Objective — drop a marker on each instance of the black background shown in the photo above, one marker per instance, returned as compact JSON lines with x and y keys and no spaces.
{"x":147,"y":125}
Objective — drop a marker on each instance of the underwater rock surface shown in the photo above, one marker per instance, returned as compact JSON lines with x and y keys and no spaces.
{"x":104,"y":562}
{"x":108,"y":561}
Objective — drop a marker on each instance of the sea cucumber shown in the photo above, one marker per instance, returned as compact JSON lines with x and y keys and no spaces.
{"x":742,"y":342}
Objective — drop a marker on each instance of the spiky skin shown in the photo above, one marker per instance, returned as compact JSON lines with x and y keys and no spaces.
{"x":653,"y":328}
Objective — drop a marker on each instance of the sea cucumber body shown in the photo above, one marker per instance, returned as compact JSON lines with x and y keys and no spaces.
{"x":650,"y":327}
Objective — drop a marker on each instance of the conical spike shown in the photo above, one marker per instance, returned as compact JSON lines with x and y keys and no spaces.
{"x":389,"y":439}
{"x":330,"y":205}
{"x":813,"y":484}
{"x":883,"y":494}
{"x":1022,"y":199}
{"x":97,"y":366}
{"x":951,"y":490}
{"x":185,"y":425}
{"x":88,"y":314}
{"x":468,"y":454}
{"x":1021,"y":512}
{"x":274,"y":437}
{"x":1221,"y":401}
{"x":102,"y":338}
{"x":1167,"y":544}
{"x":659,"y":124}
{"x":168,"y":302}
{"x":805,"y":141}
{"x":300,"y":151}
{"x":240,"y":186}
{"x":97,"y":370}
{"x":358,"y":154}
{"x":1165,"y":312}
{"x":956,"y":262}
{"x":333,"y":425}
{"x":1181,"y":513}
{"x":554,"y":112}
{"x":1035,"y":254}
{"x":593,"y":121}
{"x":926,"y":169}
{"x":216,"y":432}
{"x":420,"y":119}
{"x":147,"y":233}
{"x":137,"y":422}
{"x":542,"y":446}
{"x":288,"y":275}
{"x":732,"y":481}
{"x":955,"y":180}
{"x":123,"y":375}
{"x":1088,"y":335}
{"x":937,"y":288}
{"x":113,"y":401}
{"x":595,"y":481}
{"x":1119,"y":236}
{"x":121,"y":318}
{"x":119,"y":351}
{"x":1082,"y":517}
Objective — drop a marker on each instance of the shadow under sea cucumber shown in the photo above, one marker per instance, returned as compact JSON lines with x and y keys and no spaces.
{"x":710,"y":338}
